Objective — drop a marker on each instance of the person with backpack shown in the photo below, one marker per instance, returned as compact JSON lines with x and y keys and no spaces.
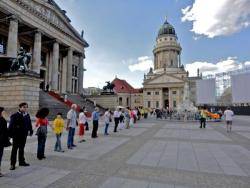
{"x":42,"y":124}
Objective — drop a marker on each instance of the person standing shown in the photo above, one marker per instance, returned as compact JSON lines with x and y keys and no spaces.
{"x":229,"y":118}
{"x":58,"y":126}
{"x":4,"y":140}
{"x":203,"y":117}
{"x":107,"y":118}
{"x":41,"y":124}
{"x":19,"y":128}
{"x":95,"y":118}
{"x":71,"y":126}
{"x":127,"y":118}
{"x":116,"y":118}
{"x":82,"y":122}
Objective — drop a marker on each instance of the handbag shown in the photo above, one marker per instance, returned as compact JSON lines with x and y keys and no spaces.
{"x":41,"y":131}
{"x":7,"y":143}
{"x":86,"y":126}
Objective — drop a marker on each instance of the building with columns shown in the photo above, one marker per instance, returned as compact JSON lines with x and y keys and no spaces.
{"x":42,"y":28}
{"x":163,"y":86}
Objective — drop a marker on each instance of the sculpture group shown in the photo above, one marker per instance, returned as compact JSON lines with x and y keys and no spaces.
{"x":21,"y":63}
{"x":108,"y":89}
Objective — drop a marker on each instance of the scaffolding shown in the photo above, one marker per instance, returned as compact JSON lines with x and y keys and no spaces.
{"x":223,"y":84}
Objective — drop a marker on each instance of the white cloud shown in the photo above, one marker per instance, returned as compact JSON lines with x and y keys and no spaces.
{"x":142,"y":64}
{"x":217,"y":17}
{"x":247,"y":63}
{"x":206,"y":68}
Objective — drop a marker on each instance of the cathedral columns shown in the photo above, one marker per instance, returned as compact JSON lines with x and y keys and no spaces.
{"x":55,"y":60}
{"x":12,"y":38}
{"x":80,"y":75}
{"x":37,"y":52}
{"x":69,"y":69}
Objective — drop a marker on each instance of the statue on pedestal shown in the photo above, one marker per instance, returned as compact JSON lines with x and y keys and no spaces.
{"x":21,"y":63}
{"x":108,"y":89}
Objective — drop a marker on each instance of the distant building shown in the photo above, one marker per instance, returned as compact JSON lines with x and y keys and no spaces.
{"x":163,"y":86}
{"x":127,"y":95}
{"x":91,"y":91}
{"x":124,"y":95}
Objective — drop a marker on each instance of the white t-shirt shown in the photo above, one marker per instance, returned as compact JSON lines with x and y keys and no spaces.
{"x":228,"y":115}
{"x":106,"y":117}
{"x":117,"y":114}
{"x":82,"y":118}
{"x":71,"y":116}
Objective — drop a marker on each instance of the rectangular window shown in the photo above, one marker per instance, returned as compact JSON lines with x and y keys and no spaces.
{"x":173,"y":92}
{"x":174,"y":103}
{"x":76,"y":71}
{"x":73,"y":70}
{"x":157,"y":104}
{"x":148,"y":93}
{"x":149,"y":104}
{"x":3,"y":44}
{"x":157,"y":93}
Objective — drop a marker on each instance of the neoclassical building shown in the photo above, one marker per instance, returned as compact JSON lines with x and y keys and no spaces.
{"x":163,"y":86}
{"x":42,"y":28}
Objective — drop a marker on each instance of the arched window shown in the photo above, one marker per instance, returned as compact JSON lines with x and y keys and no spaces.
{"x":120,"y":101}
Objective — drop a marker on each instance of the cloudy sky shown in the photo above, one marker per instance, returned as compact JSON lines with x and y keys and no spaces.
{"x":214,"y":35}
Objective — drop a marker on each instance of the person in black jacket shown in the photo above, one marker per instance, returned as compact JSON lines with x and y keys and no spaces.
{"x":4,"y":140}
{"x":19,"y":128}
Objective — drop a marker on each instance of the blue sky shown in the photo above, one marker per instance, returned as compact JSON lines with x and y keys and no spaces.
{"x":121,"y":33}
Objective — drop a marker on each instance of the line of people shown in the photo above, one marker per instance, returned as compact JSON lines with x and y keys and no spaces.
{"x":20,"y":127}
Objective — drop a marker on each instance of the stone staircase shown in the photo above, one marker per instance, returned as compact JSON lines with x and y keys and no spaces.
{"x":81,"y":101}
{"x":54,"y":105}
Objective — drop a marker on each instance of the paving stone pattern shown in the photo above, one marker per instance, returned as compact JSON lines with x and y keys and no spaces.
{"x":151,"y":154}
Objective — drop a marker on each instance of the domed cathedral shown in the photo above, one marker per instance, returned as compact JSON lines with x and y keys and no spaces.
{"x":163,"y":86}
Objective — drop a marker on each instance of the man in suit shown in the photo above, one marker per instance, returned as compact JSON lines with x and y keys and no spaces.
{"x":19,"y":128}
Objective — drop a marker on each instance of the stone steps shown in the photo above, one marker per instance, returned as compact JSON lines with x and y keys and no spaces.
{"x":55,"y":106}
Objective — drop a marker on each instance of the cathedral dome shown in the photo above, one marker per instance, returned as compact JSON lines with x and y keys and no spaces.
{"x":166,"y":29}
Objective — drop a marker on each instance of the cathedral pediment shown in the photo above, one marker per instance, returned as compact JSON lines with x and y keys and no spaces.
{"x":163,"y":79}
{"x":50,"y":12}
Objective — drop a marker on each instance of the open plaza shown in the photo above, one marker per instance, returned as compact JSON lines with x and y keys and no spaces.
{"x":151,"y":154}
{"x":114,"y":95}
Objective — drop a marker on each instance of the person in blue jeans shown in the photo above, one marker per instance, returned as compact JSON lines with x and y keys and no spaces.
{"x":107,"y":118}
{"x":71,"y":126}
{"x":95,"y":117}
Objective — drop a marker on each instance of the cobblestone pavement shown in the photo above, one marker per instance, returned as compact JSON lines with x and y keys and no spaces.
{"x":152,"y":154}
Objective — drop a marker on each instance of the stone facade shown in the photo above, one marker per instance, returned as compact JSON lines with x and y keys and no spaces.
{"x":42,"y":28}
{"x":17,"y":88}
{"x":163,"y":86}
{"x":119,"y":99}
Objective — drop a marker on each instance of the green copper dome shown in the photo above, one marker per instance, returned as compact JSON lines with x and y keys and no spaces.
{"x":166,"y":29}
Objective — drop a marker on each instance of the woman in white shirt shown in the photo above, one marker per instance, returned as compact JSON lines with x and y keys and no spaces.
{"x":82,"y":121}
{"x":107,"y":118}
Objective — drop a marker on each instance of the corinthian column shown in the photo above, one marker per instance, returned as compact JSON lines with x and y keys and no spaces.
{"x":37,"y":52}
{"x":55,"y":61}
{"x":69,"y":69}
{"x":80,"y":75}
{"x":12,"y":38}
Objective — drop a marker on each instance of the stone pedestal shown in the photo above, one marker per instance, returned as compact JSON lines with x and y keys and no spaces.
{"x":16,"y":88}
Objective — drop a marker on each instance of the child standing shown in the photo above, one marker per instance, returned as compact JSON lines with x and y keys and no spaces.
{"x":58,"y":126}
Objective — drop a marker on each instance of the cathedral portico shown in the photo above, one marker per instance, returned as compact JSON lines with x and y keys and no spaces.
{"x":163,"y":85}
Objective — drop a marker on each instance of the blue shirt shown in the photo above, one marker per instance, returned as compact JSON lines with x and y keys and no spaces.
{"x":95,"y":116}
